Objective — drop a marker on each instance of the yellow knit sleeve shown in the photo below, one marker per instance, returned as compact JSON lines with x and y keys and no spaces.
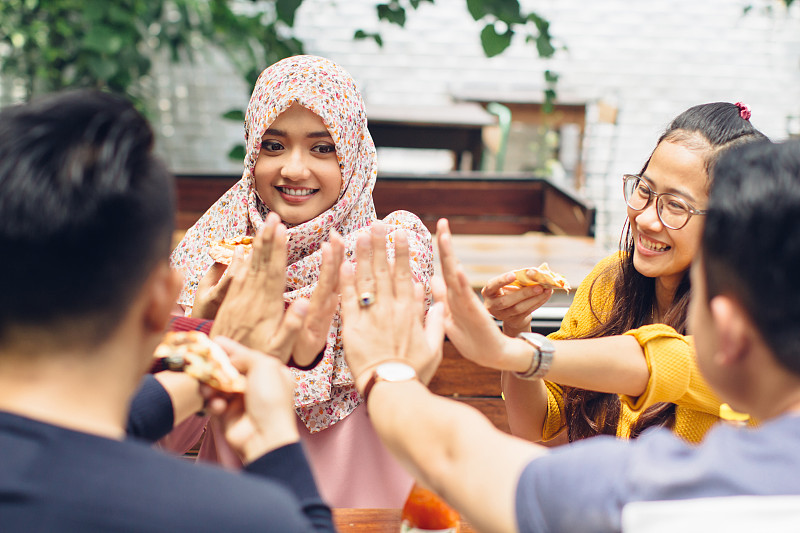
{"x":592,"y":300}
{"x":556,"y":417}
{"x":674,"y":375}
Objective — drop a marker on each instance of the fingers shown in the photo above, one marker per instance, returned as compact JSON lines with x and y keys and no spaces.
{"x":446,"y":255}
{"x":380,"y":264}
{"x":242,"y":357}
{"x":364,"y":277}
{"x":284,"y":338}
{"x":403,"y":280}
{"x":347,"y":288}
{"x":493,"y":287}
{"x":434,"y":325}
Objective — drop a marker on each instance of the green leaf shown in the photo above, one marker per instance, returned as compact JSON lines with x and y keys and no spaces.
{"x":234,"y":114}
{"x":494,"y":43}
{"x":103,"y":68}
{"x":361,"y":34}
{"x":393,"y":13}
{"x":237,"y":153}
{"x":286,"y":10}
{"x":550,"y":77}
{"x":544,"y":46}
{"x":477,"y":9}
{"x":103,"y":39}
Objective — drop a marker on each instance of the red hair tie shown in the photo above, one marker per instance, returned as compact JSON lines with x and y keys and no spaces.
{"x":744,"y":111}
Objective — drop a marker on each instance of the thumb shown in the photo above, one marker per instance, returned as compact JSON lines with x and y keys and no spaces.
{"x":434,"y":325}
{"x":284,"y":338}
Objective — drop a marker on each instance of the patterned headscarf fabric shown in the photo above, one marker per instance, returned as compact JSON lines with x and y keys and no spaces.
{"x":324,"y":394}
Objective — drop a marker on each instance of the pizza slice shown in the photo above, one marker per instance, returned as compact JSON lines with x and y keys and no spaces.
{"x":222,"y":251}
{"x":200,"y":357}
{"x":541,"y":275}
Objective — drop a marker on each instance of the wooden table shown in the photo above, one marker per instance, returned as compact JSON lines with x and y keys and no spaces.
{"x":375,"y":521}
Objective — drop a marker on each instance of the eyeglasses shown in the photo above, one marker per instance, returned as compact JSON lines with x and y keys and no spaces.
{"x":672,"y":210}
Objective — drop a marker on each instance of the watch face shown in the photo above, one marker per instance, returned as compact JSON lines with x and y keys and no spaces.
{"x":396,"y":371}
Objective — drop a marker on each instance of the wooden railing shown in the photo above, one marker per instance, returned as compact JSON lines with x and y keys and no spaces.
{"x":475,"y":202}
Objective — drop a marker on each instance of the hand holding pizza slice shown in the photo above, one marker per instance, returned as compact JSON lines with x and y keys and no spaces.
{"x":541,"y":275}
{"x":200,"y":357}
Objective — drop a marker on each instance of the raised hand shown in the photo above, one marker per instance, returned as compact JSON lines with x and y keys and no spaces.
{"x":213,"y":287}
{"x":262,"y":419}
{"x":312,"y":338}
{"x":467,"y":323}
{"x":253,"y":308}
{"x":382,"y":311}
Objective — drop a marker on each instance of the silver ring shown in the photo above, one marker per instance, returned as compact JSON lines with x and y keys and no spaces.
{"x":365,"y":299}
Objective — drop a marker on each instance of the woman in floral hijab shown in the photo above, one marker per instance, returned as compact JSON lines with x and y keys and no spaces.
{"x":339,"y":437}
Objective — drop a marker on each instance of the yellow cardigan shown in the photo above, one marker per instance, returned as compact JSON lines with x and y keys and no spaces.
{"x":674,"y":376}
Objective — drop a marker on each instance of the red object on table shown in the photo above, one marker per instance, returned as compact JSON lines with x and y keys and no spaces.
{"x":425,"y":511}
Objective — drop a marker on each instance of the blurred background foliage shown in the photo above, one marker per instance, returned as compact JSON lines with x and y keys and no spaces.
{"x":48,"y":45}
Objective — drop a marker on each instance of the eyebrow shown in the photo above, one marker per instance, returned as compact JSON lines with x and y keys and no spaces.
{"x":322,"y":134}
{"x":671,"y":190}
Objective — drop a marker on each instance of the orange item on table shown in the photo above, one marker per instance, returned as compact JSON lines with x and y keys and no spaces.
{"x":425,"y":511}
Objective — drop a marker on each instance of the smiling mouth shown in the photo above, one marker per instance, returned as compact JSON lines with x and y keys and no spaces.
{"x":293,"y":191}
{"x":653,"y":246}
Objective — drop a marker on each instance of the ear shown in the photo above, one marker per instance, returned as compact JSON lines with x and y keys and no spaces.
{"x":734,"y":330}
{"x":164,"y":286}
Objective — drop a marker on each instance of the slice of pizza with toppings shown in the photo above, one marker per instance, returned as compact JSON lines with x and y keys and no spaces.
{"x":222,"y":251}
{"x":200,"y":357}
{"x":541,"y":275}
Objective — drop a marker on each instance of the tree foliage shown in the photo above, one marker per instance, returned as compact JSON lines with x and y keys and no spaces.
{"x":52,"y":44}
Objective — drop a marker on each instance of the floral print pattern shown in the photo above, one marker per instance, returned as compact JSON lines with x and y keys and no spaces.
{"x":325,"y":394}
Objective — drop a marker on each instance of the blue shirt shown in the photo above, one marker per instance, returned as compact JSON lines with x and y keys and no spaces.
{"x":584,"y":486}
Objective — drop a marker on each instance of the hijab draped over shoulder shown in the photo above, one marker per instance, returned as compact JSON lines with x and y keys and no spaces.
{"x":324,"y":394}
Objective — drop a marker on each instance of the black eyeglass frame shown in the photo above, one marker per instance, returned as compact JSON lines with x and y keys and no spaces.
{"x":690,"y":208}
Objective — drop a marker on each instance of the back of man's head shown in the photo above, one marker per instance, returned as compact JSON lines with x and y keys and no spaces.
{"x":751,"y":241}
{"x":86,"y":211}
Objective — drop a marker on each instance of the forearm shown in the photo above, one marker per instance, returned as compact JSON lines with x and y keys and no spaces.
{"x":526,"y":406}
{"x":453,"y":449}
{"x":184,"y":392}
{"x":609,"y":364}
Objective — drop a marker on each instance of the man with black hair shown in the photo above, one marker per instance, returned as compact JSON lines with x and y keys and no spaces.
{"x":744,"y":315}
{"x":86,"y":214}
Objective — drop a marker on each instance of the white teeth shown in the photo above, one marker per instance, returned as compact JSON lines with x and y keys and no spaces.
{"x":296,"y":192}
{"x":655,"y":247}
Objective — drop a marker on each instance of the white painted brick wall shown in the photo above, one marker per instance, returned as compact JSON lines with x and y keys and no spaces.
{"x":654,"y":59}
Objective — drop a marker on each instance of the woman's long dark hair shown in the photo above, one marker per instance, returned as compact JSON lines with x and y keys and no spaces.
{"x":708,"y":128}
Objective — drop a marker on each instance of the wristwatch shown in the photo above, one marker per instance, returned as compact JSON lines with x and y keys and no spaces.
{"x":542,"y":356}
{"x":390,"y":371}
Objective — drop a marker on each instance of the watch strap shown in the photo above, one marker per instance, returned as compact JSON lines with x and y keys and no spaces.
{"x":541,"y":360}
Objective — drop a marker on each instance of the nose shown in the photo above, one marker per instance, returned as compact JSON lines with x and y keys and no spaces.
{"x":648,"y":218}
{"x":295,"y":166}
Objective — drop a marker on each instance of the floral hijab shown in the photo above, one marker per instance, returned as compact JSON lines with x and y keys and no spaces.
{"x":325,"y":394}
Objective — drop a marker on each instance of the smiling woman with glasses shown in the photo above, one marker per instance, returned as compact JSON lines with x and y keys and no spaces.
{"x":633,"y":366}
{"x":673,"y":211}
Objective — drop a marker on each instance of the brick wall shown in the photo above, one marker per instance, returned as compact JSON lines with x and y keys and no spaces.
{"x":650,"y":59}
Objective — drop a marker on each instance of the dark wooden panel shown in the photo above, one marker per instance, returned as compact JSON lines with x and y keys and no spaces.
{"x":475,"y":203}
{"x":461,"y":198}
{"x":564,"y":216}
{"x":198,"y":193}
{"x":492,"y":408}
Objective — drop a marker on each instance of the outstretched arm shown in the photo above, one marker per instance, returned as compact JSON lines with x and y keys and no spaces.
{"x":611,"y":364}
{"x":450,"y":447}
